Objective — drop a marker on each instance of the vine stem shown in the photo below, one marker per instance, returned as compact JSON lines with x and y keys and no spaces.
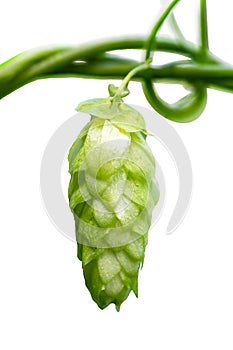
{"x":156,"y":28}
{"x":199,"y":71}
{"x":125,"y":82}
{"x":204,"y":30}
{"x":91,"y":61}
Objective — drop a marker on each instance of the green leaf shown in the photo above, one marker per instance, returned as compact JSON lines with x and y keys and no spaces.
{"x":98,"y":107}
{"x":128,"y":119}
{"x":120,"y":114}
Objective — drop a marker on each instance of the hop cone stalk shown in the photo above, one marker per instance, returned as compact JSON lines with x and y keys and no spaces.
{"x":112,"y":194}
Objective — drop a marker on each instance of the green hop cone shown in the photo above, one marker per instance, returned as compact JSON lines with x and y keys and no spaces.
{"x":112,"y":194}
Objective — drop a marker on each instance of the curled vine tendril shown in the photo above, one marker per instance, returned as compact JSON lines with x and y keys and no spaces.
{"x":199,"y":70}
{"x":192,"y":105}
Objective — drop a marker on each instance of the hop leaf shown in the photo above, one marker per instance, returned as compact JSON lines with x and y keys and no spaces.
{"x":112,"y":193}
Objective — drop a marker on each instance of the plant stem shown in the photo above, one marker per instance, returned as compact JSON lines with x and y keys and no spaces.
{"x":156,"y":28}
{"x":61,"y":61}
{"x":175,"y":27}
{"x":204,"y":30}
{"x":132,"y":72}
{"x":94,"y":61}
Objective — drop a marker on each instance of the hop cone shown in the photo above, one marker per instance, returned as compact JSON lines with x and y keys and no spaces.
{"x":112,"y":193}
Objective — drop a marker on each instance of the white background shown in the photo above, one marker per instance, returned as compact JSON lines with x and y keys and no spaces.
{"x":185,"y":288}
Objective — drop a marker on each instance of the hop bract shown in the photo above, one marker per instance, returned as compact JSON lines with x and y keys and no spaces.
{"x":112,"y":193}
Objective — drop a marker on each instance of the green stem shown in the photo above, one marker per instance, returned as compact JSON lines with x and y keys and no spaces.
{"x":204,"y":30}
{"x":32,"y":65}
{"x":93,"y":61}
{"x":175,"y":27}
{"x":156,"y":28}
{"x":199,"y":71}
{"x":132,"y":72}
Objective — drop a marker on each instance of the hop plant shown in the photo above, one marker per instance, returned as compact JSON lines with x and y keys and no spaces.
{"x":112,"y":194}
